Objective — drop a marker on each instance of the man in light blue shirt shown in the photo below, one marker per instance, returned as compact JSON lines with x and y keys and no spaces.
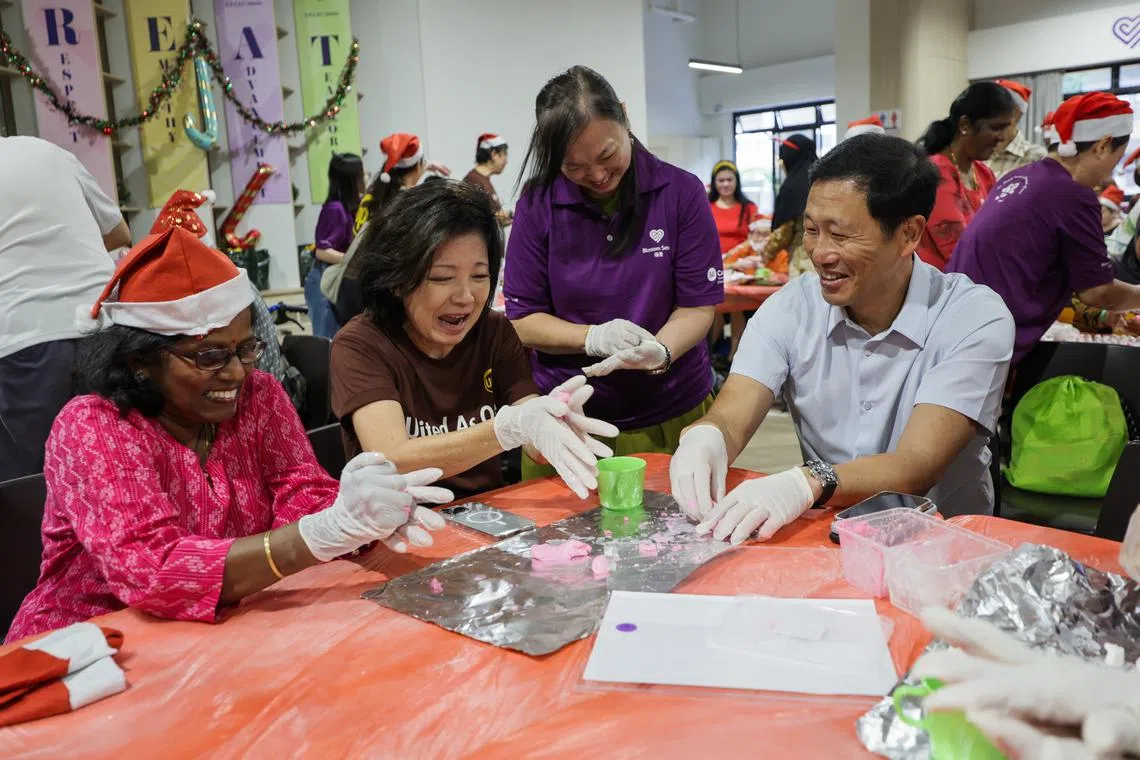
{"x":893,"y":371}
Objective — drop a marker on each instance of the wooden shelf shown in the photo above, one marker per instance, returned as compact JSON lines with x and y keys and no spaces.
{"x":102,"y":11}
{"x":6,"y":71}
{"x":282,"y":32}
{"x":113,"y":80}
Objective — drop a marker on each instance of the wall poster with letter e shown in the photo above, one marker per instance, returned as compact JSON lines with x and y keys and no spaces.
{"x":324,"y":38}
{"x":247,"y":45}
{"x":64,"y":46}
{"x":155,"y":29}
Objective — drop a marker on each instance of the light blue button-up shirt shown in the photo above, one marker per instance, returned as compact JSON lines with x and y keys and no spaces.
{"x":851,"y":394}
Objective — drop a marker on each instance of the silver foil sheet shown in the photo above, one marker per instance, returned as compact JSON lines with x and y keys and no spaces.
{"x":1046,"y":599}
{"x":496,"y":594}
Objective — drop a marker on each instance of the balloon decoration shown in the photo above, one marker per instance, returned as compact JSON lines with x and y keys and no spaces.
{"x":234,"y":244}
{"x":209,"y":138}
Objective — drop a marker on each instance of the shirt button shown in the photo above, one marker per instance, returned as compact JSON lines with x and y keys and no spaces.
{"x":868,"y":352}
{"x":609,"y":238}
{"x":866,"y":406}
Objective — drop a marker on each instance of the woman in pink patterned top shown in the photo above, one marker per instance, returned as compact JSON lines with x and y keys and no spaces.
{"x":185,"y":482}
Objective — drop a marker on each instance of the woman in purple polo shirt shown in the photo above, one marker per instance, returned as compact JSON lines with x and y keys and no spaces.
{"x":613,"y":267}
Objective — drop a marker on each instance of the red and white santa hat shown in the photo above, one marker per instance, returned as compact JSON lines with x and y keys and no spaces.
{"x":1090,"y":117}
{"x":1019,"y":92}
{"x":402,"y":150}
{"x":762,"y":223}
{"x":1047,"y":130}
{"x":1112,"y":197}
{"x":1131,"y":159}
{"x":171,"y":283}
{"x":488,"y":141}
{"x":872,"y":125}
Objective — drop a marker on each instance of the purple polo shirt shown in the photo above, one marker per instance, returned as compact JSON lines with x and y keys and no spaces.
{"x":556,"y":264}
{"x":334,"y":227}
{"x":1036,"y":241}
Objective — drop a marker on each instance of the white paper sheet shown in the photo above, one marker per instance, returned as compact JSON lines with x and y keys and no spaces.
{"x":806,"y":646}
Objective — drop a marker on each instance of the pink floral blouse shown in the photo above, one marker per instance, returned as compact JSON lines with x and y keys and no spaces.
{"x":133,"y":519}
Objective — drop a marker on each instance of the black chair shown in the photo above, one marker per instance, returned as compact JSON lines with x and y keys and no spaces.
{"x":329,"y":448}
{"x":1114,"y":366}
{"x":310,"y":355}
{"x":21,"y":518}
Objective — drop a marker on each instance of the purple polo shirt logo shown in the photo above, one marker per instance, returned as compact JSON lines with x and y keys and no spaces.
{"x":657,"y":235}
{"x":1016,"y":185}
{"x":715,"y":274}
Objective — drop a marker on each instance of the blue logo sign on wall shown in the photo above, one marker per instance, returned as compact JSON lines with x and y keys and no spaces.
{"x":1127,"y":30}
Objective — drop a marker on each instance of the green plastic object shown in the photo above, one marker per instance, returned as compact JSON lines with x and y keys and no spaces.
{"x":952,"y":737}
{"x":621,"y":482}
{"x":1067,"y":435}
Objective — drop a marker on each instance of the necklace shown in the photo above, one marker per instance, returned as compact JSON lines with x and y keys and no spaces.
{"x":204,"y":442}
{"x":971,"y":179}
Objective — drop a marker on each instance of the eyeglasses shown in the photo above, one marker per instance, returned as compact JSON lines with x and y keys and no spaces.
{"x":213,"y":359}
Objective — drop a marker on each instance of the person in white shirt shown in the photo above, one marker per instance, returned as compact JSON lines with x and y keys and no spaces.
{"x":892,"y":371}
{"x":56,"y":229}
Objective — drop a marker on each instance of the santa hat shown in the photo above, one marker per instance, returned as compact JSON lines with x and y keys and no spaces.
{"x":1112,"y":197}
{"x":171,"y":283}
{"x":762,"y":223}
{"x":1132,"y":157}
{"x":403,"y":151}
{"x":1090,"y":117}
{"x":1019,"y":92}
{"x":872,"y":125}
{"x":1047,"y":130}
{"x":61,"y":672}
{"x":488,"y":141}
{"x":178,"y":211}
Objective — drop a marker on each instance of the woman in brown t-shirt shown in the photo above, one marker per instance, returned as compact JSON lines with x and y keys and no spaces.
{"x":429,"y":374}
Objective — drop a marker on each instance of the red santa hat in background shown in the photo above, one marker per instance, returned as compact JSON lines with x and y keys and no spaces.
{"x":1131,"y":159}
{"x":403,"y":151}
{"x":1090,"y":117}
{"x":1112,"y":197}
{"x":762,"y":223}
{"x":872,"y":125}
{"x":1019,"y":92}
{"x":488,"y":141}
{"x":172,"y":283}
{"x":1046,"y":130}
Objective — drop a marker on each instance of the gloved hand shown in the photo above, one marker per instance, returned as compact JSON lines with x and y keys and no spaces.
{"x":575,"y":393}
{"x":767,"y":504}
{"x":541,"y":422}
{"x":1005,"y":687}
{"x":610,"y":337}
{"x":375,"y":503}
{"x":647,"y":355}
{"x":698,"y":470}
{"x":1130,"y":549}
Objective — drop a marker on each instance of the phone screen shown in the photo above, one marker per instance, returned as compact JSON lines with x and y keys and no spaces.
{"x":882,"y":501}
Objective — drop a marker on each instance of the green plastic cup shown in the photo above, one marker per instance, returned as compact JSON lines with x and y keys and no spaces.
{"x":952,"y":737}
{"x":621,"y":482}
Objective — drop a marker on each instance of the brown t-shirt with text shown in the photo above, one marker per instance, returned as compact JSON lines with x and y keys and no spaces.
{"x":487,"y":370}
{"x":484,"y":183}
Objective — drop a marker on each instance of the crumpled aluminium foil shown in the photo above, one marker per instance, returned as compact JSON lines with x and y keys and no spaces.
{"x":496,"y":595}
{"x":1046,"y":599}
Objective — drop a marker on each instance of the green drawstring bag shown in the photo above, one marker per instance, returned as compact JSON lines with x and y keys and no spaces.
{"x":1067,"y":436}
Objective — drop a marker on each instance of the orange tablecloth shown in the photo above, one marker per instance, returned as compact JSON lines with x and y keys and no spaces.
{"x":309,"y":669}
{"x":745,"y":297}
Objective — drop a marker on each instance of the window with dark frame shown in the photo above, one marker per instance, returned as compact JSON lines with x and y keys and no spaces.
{"x":756,"y":143}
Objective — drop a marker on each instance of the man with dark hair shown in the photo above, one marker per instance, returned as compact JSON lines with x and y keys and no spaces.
{"x":490,"y":159}
{"x":892,"y":371}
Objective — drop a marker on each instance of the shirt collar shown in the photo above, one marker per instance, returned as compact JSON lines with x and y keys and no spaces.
{"x":1017,"y":146}
{"x":911,"y":319}
{"x":652,"y":175}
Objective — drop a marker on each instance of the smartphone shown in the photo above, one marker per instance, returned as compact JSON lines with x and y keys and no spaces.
{"x":882,"y":501}
{"x":497,"y":523}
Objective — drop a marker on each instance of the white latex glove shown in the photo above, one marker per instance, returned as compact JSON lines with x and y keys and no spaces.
{"x":541,"y":423}
{"x":760,"y":506}
{"x":647,"y":355}
{"x":698,"y":470}
{"x":610,"y":337}
{"x":1130,"y":549}
{"x":575,"y":393}
{"x":375,"y":503}
{"x":1005,"y":687}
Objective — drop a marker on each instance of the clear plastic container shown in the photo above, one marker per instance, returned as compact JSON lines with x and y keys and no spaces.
{"x":866,"y":540}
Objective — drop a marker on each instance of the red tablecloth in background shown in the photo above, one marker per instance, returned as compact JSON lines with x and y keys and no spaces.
{"x":309,"y":669}
{"x":745,"y":297}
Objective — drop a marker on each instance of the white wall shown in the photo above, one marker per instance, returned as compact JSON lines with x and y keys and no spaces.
{"x":473,"y":85}
{"x":991,"y":13}
{"x":1069,"y":41}
{"x":670,"y":85}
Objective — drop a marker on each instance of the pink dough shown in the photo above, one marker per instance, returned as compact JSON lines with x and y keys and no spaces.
{"x":600,"y":566}
{"x":647,"y":549}
{"x":561,"y":553}
{"x":435,"y":586}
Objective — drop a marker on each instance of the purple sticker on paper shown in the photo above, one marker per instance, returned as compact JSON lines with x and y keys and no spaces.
{"x":626,"y":627}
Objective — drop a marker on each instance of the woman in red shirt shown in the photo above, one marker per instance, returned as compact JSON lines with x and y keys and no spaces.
{"x":731,"y":208}
{"x":958,"y":145}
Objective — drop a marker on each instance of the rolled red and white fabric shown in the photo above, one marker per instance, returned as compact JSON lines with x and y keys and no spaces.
{"x":61,"y":672}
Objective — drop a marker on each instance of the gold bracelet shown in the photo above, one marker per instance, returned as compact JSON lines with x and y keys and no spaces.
{"x":269,"y":557}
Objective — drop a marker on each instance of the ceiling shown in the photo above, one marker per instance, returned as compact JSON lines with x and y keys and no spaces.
{"x":770,"y":31}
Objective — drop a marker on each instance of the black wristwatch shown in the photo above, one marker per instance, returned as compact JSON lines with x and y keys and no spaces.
{"x":668,"y":362}
{"x":825,"y":474}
